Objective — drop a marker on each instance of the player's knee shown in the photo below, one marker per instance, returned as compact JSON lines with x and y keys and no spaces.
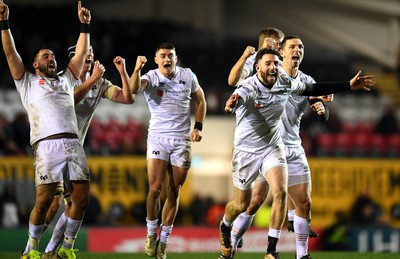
{"x":305,"y":205}
{"x":155,"y":191}
{"x":280,"y":195}
{"x":42,"y":205}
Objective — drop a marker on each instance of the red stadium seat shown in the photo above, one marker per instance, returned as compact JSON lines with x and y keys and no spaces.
{"x":377,"y":145}
{"x":393,"y":145}
{"x":343,"y":144}
{"x":325,"y":144}
{"x":361,"y":144}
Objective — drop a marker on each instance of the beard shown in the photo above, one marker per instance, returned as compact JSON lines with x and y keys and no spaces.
{"x":266,"y":79}
{"x":45,"y":71}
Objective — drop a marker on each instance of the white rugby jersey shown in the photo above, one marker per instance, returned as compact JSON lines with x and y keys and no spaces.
{"x":294,"y":110}
{"x":87,"y":106}
{"x":257,"y":119}
{"x":49,"y":103}
{"x":249,"y":64}
{"x":169,"y":102}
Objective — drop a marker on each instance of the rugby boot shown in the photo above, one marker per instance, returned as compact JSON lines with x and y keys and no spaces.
{"x":225,"y":240}
{"x":33,"y":254}
{"x":151,"y":245}
{"x":272,"y":255}
{"x":161,"y":252}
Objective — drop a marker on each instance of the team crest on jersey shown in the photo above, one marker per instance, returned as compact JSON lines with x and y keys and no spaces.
{"x":182,"y":82}
{"x":43,"y":177}
{"x":160,"y":93}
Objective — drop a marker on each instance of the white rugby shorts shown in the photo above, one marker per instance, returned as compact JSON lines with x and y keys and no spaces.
{"x":247,"y":168}
{"x":298,"y":168}
{"x":58,"y":160}
{"x":176,"y":152}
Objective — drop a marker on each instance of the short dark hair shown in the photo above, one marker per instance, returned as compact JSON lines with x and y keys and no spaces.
{"x":264,"y":51}
{"x":289,"y":37}
{"x":36,"y":52}
{"x":165,"y":45}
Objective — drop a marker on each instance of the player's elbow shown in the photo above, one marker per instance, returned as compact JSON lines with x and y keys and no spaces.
{"x":232,"y":82}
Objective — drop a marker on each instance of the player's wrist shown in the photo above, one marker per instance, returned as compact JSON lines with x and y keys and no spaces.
{"x":198,"y":125}
{"x":85,"y":27}
{"x":4,"y":25}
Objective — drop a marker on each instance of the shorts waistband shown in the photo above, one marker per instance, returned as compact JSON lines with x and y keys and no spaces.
{"x":57,"y":136}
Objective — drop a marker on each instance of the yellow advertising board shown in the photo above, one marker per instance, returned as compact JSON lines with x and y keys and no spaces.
{"x":336,"y":182}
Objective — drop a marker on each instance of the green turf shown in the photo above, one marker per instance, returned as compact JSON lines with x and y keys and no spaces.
{"x":318,"y":255}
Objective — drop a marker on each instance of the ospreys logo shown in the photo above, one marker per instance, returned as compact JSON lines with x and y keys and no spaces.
{"x":155,"y":152}
{"x":44,"y":177}
{"x":242,"y":181}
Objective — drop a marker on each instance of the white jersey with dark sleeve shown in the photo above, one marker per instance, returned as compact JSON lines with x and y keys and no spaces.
{"x":257,"y":119}
{"x":294,"y":110}
{"x":169,"y":102}
{"x":49,"y":103}
{"x":87,"y":106}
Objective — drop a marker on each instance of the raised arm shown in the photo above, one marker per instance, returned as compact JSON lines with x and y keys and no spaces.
{"x":356,"y":83}
{"x":14,"y":60}
{"x":81,"y":90}
{"x":136,"y":84}
{"x":115,"y":93}
{"x":237,"y":72}
{"x":200,"y":114}
{"x":83,"y":43}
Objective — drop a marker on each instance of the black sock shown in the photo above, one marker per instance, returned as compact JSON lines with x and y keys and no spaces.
{"x":225,"y":229}
{"x":272,"y":241}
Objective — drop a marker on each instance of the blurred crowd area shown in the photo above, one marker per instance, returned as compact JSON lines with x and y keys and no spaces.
{"x":361,"y":124}
{"x":345,"y":134}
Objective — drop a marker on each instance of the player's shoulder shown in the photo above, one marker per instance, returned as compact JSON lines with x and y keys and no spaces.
{"x":248,"y":85}
{"x":184,"y":71}
{"x":305,"y":78}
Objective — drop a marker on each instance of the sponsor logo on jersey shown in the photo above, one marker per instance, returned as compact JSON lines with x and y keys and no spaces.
{"x":182,"y":82}
{"x":160,"y":93}
{"x":177,"y":92}
{"x":155,"y":152}
{"x":259,"y":105}
{"x":41,"y":81}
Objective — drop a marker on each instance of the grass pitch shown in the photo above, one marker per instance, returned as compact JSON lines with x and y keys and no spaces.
{"x":320,"y":255}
